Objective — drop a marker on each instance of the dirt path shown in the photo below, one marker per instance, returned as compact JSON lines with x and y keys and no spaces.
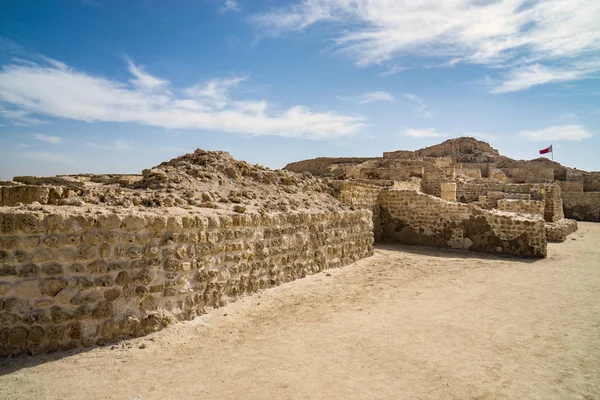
{"x":407,"y":323}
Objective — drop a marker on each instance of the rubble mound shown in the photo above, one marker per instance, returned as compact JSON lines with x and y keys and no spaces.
{"x":202,"y":179}
{"x":205,"y":178}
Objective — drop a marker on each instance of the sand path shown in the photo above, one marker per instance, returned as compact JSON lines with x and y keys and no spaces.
{"x":407,"y":323}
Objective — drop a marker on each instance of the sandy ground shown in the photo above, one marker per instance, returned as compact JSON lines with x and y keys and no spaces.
{"x":407,"y":323}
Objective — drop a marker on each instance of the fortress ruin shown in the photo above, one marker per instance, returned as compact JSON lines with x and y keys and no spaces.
{"x":86,"y":259}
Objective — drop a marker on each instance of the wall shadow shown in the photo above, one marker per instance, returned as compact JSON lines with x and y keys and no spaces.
{"x":452,"y":253}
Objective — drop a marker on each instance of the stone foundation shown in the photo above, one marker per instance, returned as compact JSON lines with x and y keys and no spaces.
{"x":76,"y":279}
{"x":583,"y":206}
{"x":558,"y":231}
{"x":420,"y":219}
{"x":534,"y":207}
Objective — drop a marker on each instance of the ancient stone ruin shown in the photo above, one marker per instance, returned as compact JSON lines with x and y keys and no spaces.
{"x":86,"y":259}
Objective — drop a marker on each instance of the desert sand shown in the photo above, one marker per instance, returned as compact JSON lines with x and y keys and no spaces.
{"x":407,"y":323}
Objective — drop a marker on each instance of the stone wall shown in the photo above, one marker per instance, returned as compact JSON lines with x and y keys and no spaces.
{"x":360,"y":196}
{"x":323,"y":165}
{"x":535,"y":207}
{"x":591,"y":182}
{"x":553,"y":210}
{"x":468,"y":192}
{"x":415,"y":218}
{"x":530,"y":174}
{"x":558,"y":231}
{"x":584,"y":206}
{"x":27,"y":194}
{"x":571,"y":186}
{"x":77,"y":279}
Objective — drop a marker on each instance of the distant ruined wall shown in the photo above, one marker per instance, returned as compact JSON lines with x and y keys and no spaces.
{"x":415,"y":218}
{"x":468,"y":192}
{"x":535,"y":207}
{"x":70,"y":280}
{"x":530,"y":175}
{"x":591,"y":182}
{"x":584,"y":206}
{"x":571,"y":186}
{"x":27,"y":194}
{"x":360,"y":196}
{"x":323,"y":165}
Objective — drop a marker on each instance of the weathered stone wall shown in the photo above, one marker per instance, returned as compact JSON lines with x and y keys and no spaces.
{"x":530,"y":174}
{"x":469,"y":172}
{"x":535,"y":207}
{"x":398,"y":174}
{"x":76,"y":279}
{"x":360,"y":196}
{"x":553,"y":210}
{"x":27,"y":194}
{"x":571,"y":186}
{"x":558,"y":231}
{"x":583,"y":206}
{"x":468,"y":192}
{"x":323,"y":165}
{"x":415,"y":218}
{"x":591,"y":182}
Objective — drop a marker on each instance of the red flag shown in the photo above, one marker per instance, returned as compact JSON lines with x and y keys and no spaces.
{"x":546,"y":151}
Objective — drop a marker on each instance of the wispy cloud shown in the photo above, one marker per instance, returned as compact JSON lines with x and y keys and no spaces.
{"x":114,"y":145}
{"x":424,"y":133}
{"x":229,"y":5}
{"x":534,"y":42}
{"x":56,"y":90}
{"x":143,"y":79}
{"x":47,"y":139}
{"x":421,"y":107}
{"x":18,"y":117}
{"x":369,"y":97}
{"x":393,"y":70}
{"x":562,"y":132}
{"x":433,"y":133}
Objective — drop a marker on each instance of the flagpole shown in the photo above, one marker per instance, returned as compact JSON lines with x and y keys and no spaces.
{"x":552,"y":152}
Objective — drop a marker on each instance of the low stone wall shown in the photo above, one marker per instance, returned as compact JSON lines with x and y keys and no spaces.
{"x":360,"y":196}
{"x":558,"y":231}
{"x":591,"y":182}
{"x":467,"y":192}
{"x":530,"y":174}
{"x":535,"y":207}
{"x":571,"y":186}
{"x":583,"y":206}
{"x":419,"y":219}
{"x":553,"y":209}
{"x":77,"y":279}
{"x":27,"y":194}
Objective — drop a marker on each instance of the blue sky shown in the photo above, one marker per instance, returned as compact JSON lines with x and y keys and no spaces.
{"x":109,"y":86}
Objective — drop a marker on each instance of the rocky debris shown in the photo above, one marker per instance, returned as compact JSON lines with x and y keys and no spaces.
{"x":202,"y":179}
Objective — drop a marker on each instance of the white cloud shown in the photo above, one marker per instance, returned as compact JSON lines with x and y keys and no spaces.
{"x":47,"y":139}
{"x":143,"y":79}
{"x":536,"y":42}
{"x":18,"y":117}
{"x":66,"y":93}
{"x":423,"y":133}
{"x":229,"y":5}
{"x":522,"y":78}
{"x":421,"y":109}
{"x":214,"y":92}
{"x":393,"y":70}
{"x":48,"y":157}
{"x":369,"y":97}
{"x":562,"y":132}
{"x":114,"y":145}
